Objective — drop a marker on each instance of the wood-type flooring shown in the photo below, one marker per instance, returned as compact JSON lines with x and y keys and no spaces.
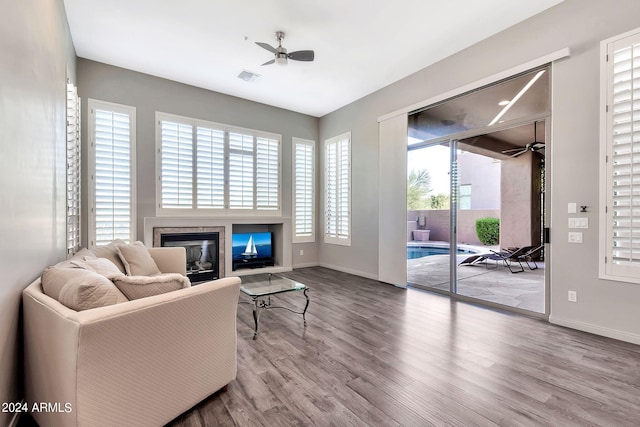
{"x":376,"y":355}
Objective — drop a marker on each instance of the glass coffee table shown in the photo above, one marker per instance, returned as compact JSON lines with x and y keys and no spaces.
{"x":261,"y":287}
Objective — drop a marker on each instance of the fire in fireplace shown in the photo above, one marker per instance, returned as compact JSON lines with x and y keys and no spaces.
{"x":203,"y":255}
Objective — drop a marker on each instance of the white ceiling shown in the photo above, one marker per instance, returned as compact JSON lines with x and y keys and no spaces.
{"x":360,"y":45}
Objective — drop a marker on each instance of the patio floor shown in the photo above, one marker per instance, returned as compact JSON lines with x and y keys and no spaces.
{"x":522,"y":290}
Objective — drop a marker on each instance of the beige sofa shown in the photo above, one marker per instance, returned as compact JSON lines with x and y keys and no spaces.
{"x":138,"y":363}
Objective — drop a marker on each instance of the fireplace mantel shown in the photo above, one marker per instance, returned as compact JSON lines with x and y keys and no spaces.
{"x":280,"y":226}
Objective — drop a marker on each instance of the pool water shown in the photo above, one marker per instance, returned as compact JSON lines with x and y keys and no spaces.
{"x":422,"y":251}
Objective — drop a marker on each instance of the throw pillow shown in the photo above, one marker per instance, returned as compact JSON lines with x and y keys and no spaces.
{"x":102,"y":266}
{"x":80,"y":289}
{"x":134,"y":287}
{"x":110,"y":252}
{"x":136,"y":259}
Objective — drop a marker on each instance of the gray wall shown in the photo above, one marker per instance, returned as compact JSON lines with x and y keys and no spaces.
{"x":605,"y":307}
{"x":35,"y":52}
{"x":150,"y":94}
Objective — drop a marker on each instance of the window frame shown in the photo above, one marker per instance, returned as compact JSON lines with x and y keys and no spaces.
{"x":607,"y":268}
{"x":336,"y":238}
{"x":462,"y":196}
{"x":226,"y":210}
{"x":304,"y":237}
{"x":92,"y":105}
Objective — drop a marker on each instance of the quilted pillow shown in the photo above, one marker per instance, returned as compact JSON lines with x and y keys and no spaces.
{"x":136,"y":259}
{"x":102,"y":266}
{"x":80,"y":289}
{"x":110,"y":252}
{"x":134,"y":287}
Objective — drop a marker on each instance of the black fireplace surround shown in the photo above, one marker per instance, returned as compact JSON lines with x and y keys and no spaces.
{"x":203,"y":255}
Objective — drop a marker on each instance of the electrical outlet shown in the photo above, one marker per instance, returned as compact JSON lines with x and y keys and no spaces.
{"x":301,"y":252}
{"x":572,"y":296}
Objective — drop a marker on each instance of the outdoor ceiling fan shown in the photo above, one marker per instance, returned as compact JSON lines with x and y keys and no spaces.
{"x":281,"y":53}
{"x":532,"y":146}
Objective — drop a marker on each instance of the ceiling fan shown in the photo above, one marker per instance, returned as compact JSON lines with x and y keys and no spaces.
{"x":281,"y":53}
{"x":532,"y":146}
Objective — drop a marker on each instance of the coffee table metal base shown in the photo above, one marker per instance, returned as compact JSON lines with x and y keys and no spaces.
{"x":261,"y":303}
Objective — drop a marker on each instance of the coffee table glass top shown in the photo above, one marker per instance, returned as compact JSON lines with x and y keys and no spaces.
{"x":258,"y":285}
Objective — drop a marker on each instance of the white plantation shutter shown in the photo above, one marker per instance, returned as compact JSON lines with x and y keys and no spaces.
{"x":73,"y":170}
{"x":338,"y":190}
{"x":206,"y":168}
{"x":113,"y":145}
{"x":241,"y":171}
{"x":623,"y":158}
{"x":303,"y":190}
{"x":210,"y":167}
{"x":176,"y":165}
{"x":267,"y":174}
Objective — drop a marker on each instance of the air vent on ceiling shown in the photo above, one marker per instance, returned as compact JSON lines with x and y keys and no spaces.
{"x":248,"y":76}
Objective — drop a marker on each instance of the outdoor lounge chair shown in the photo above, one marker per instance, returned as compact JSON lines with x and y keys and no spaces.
{"x":478,"y":259}
{"x":508,"y":257}
{"x":523,"y":254}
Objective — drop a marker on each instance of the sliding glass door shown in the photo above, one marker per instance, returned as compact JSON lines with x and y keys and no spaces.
{"x":428,"y":217}
{"x":475,"y":213}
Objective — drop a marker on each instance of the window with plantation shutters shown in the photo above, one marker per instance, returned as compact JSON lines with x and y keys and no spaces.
{"x":337,"y":227}
{"x":112,"y":157}
{"x":210,"y":168}
{"x":176,"y":161}
{"x":267,"y":173}
{"x":621,"y":169}
{"x":303,"y":190}
{"x":241,"y":171}
{"x":73,"y":170}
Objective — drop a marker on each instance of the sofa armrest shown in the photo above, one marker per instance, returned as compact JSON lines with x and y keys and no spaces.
{"x":170,"y":259}
{"x":50,"y":336}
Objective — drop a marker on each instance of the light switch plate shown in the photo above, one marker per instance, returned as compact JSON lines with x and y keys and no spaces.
{"x":578,"y":222}
{"x":575,"y":237}
{"x":572,"y":208}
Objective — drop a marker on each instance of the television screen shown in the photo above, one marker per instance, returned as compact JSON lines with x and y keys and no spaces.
{"x":251,"y":246}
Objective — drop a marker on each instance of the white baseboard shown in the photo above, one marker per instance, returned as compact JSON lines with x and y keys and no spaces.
{"x":306,"y":264}
{"x":350,"y":271}
{"x":595,"y":329}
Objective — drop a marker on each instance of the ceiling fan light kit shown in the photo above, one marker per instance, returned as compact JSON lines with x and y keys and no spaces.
{"x":281,"y":55}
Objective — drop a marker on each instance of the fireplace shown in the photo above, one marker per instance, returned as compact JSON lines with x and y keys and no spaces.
{"x":204,"y":247}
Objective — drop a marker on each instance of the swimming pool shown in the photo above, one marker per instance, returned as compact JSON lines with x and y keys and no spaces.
{"x":422,"y":251}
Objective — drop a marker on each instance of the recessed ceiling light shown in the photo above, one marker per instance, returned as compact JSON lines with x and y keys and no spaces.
{"x":503,"y":102}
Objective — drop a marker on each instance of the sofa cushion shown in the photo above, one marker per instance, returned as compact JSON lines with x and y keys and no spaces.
{"x":136,"y":259}
{"x":110,"y":252}
{"x":80,"y":289}
{"x":134,"y":287}
{"x":102,"y":266}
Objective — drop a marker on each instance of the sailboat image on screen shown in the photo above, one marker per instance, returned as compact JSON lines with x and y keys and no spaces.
{"x":250,"y":250}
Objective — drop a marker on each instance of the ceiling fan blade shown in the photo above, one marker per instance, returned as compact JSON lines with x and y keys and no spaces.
{"x":513,"y":150}
{"x":302,"y":55}
{"x":518,"y":153}
{"x":269,"y":62}
{"x":267,"y":46}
